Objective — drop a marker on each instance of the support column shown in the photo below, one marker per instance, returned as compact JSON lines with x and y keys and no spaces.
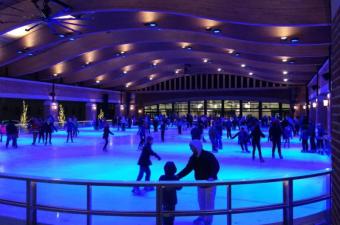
{"x":260,"y":110}
{"x":189,"y":109}
{"x":205,"y":105}
{"x":91,"y":111}
{"x":222,"y":112}
{"x":241,"y":108}
{"x":280,"y":110}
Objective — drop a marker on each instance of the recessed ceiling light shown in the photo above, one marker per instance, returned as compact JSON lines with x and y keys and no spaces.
{"x":55,"y":74}
{"x":205,"y":60}
{"x":285,"y":72}
{"x":294,"y":40}
{"x":283,"y":38}
{"x":97,"y":81}
{"x":125,"y":71}
{"x":216,"y":31}
{"x":154,"y":63}
{"x":251,"y":73}
{"x":151,"y":78}
{"x":231,"y":51}
{"x":243,"y":65}
{"x":122,"y":52}
{"x":284,"y":59}
{"x":151,"y":24}
{"x":219,"y":69}
{"x":285,"y":79}
{"x":177,"y":71}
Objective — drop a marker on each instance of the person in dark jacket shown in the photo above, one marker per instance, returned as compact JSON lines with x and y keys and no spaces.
{"x":70,"y":128}
{"x":163,"y":127}
{"x":49,"y":128}
{"x":12,"y":134}
{"x":144,"y":163}
{"x":206,"y":167}
{"x":141,"y":133}
{"x":228,"y":125}
{"x":243,"y":138}
{"x":169,"y":200}
{"x":106,"y":133}
{"x":256,"y":135}
{"x":213,"y":138}
{"x":275,"y":133}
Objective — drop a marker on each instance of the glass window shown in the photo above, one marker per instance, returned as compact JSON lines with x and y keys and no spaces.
{"x":165,"y":109}
{"x":181,"y":108}
{"x":214,"y":107}
{"x":251,"y":109}
{"x":232,"y":107}
{"x":197,"y":108}
{"x":270,"y":109}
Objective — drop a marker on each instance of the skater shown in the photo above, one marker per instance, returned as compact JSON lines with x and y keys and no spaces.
{"x":34,"y":128}
{"x":228,"y":125}
{"x":287,"y":135}
{"x":275,"y":133}
{"x":213,"y":138}
{"x":2,"y":130}
{"x":144,"y":163}
{"x":163,"y":127}
{"x":243,"y":139}
{"x":106,"y":133}
{"x":179,"y":125}
{"x":12,"y":134}
{"x":141,"y":133}
{"x":206,"y":167}
{"x":169,"y":200}
{"x":256,"y":135}
{"x":304,"y":136}
{"x":70,"y":129}
{"x":49,"y":128}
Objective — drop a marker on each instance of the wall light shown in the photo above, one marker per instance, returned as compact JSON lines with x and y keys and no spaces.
{"x":54,"y":106}
{"x":325,"y":102}
{"x":314,"y":104}
{"x":94,"y":107}
{"x":132,"y":107}
{"x":121,"y":107}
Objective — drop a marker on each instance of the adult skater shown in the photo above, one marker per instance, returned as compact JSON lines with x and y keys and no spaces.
{"x":34,"y":128}
{"x":163,"y":128}
{"x":70,"y":129}
{"x":205,"y":166}
{"x":12,"y":134}
{"x":275,"y":134}
{"x":243,"y":138}
{"x":144,"y":163}
{"x":141,"y":133}
{"x":106,"y":133}
{"x":228,"y":125}
{"x":49,"y":128}
{"x":256,"y":135}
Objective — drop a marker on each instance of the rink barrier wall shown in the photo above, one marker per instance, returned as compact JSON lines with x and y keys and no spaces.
{"x":286,"y":206}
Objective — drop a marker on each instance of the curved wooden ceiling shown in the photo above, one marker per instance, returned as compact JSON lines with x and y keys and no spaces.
{"x":109,"y":41}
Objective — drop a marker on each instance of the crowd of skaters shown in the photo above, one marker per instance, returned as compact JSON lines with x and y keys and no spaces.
{"x":41,"y":130}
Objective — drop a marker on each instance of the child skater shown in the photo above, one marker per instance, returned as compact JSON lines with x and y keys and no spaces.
{"x":144,"y":163}
{"x":106,"y":134}
{"x":169,"y":194}
{"x":243,"y":139}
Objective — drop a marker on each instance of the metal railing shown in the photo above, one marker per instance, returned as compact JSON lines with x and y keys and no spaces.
{"x":287,"y":205}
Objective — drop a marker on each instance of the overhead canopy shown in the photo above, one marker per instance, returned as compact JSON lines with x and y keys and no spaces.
{"x":110,"y":43}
